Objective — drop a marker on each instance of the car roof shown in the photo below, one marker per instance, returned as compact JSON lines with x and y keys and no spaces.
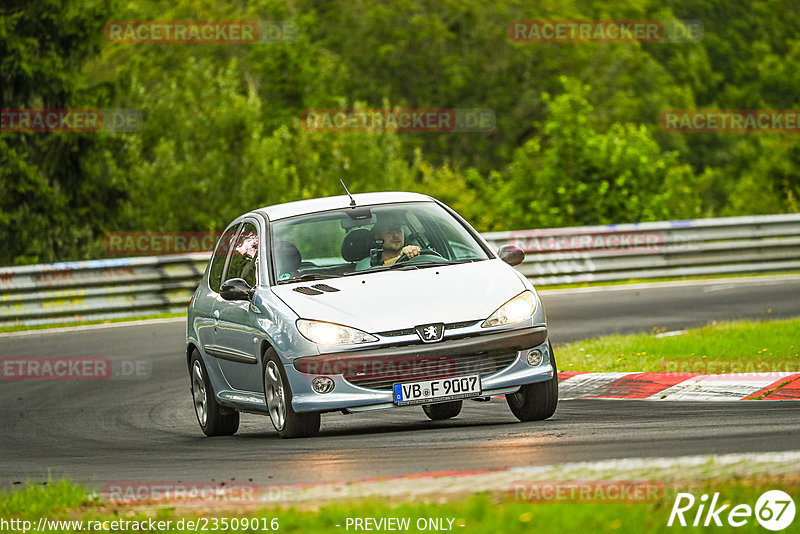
{"x":314,"y":205}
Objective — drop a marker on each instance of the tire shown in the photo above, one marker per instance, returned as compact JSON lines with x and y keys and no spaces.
{"x":278,"y":394}
{"x":536,"y":402}
{"x":214,"y":419}
{"x":445,"y":410}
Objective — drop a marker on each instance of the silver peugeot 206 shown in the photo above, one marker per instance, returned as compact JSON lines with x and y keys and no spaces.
{"x":363,"y":302}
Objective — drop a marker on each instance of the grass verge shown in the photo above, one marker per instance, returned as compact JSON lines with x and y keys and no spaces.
{"x":742,"y":346}
{"x":477,"y":513}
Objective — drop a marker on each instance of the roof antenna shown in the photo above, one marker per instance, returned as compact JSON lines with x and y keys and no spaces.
{"x":352,"y":200}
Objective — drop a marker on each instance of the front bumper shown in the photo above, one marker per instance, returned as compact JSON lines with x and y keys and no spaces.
{"x":348,"y":396}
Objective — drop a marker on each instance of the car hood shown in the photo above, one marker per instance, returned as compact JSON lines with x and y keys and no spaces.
{"x":391,"y":300}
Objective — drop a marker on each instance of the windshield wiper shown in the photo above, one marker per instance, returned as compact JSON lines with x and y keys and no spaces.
{"x":383,"y":268}
{"x":410,"y":266}
{"x":307,"y":277}
{"x":443,"y":263}
{"x":403,"y":266}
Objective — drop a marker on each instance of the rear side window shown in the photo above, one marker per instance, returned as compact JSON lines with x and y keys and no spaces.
{"x":244,"y":254}
{"x":218,"y":258}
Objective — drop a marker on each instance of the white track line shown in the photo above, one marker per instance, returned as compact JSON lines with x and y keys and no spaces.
{"x":677,"y":469}
{"x":656,"y":285}
{"x":587,"y":385}
{"x":719,"y":387}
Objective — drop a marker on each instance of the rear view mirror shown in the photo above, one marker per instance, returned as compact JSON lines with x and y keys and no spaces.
{"x":511,"y":254}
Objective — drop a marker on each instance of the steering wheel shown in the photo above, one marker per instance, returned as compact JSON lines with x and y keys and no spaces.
{"x":425,"y":251}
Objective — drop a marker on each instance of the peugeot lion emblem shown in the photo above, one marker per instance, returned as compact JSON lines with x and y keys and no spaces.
{"x":430,"y":333}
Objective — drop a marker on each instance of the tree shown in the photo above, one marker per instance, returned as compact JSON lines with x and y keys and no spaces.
{"x":576,"y":175}
{"x":49,"y":205}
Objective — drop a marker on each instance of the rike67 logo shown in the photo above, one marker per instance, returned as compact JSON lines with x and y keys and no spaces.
{"x":774,"y":510}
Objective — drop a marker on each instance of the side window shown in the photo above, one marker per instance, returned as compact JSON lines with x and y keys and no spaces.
{"x":219,"y":257}
{"x":244,"y":255}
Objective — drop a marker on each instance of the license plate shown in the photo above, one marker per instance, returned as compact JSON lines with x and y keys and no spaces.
{"x":461,"y":387}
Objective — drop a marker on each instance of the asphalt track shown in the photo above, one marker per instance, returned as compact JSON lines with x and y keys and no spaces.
{"x":102,"y":431}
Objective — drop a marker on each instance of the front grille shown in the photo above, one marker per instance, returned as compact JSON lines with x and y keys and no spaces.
{"x":411,"y":331}
{"x":462,"y":324}
{"x":382,"y":372}
{"x":395,"y":333}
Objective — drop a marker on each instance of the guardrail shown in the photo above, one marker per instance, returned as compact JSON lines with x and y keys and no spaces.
{"x":130,"y":287}
{"x":754,"y":244}
{"x":98,"y":289}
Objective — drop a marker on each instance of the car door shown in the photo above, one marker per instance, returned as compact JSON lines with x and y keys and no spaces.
{"x":236,"y":335}
{"x":205,"y":320}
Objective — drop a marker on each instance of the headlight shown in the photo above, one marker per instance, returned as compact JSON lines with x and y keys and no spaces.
{"x":332,"y":334}
{"x":515,"y":310}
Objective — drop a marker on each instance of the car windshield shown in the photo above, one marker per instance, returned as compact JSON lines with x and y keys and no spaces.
{"x":367,"y":239}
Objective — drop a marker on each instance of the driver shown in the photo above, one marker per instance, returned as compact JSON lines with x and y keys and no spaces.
{"x":389,"y":228}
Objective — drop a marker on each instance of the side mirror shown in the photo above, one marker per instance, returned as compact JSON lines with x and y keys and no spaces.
{"x":236,"y":289}
{"x":511,"y":254}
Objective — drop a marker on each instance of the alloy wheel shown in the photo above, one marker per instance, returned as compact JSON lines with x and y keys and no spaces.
{"x":199,"y":393}
{"x":276,"y":396}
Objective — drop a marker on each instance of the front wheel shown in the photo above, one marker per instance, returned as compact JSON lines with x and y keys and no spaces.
{"x":278,"y":394}
{"x":214,"y":419}
{"x":445,"y":410}
{"x":536,"y":402}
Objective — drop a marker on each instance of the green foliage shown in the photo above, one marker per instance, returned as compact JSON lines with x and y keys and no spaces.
{"x":49,"y":204}
{"x":771,"y":182}
{"x":517,"y":508}
{"x":576,"y":139}
{"x":741,"y":346}
{"x":56,"y":496}
{"x":575,"y":174}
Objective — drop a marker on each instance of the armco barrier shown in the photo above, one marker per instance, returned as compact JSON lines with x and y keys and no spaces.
{"x":129,"y":287}
{"x":754,"y":244}
{"x":98,"y":289}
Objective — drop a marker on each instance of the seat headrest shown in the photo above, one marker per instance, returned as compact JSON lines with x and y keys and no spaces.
{"x":287,"y":257}
{"x":356,"y":245}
